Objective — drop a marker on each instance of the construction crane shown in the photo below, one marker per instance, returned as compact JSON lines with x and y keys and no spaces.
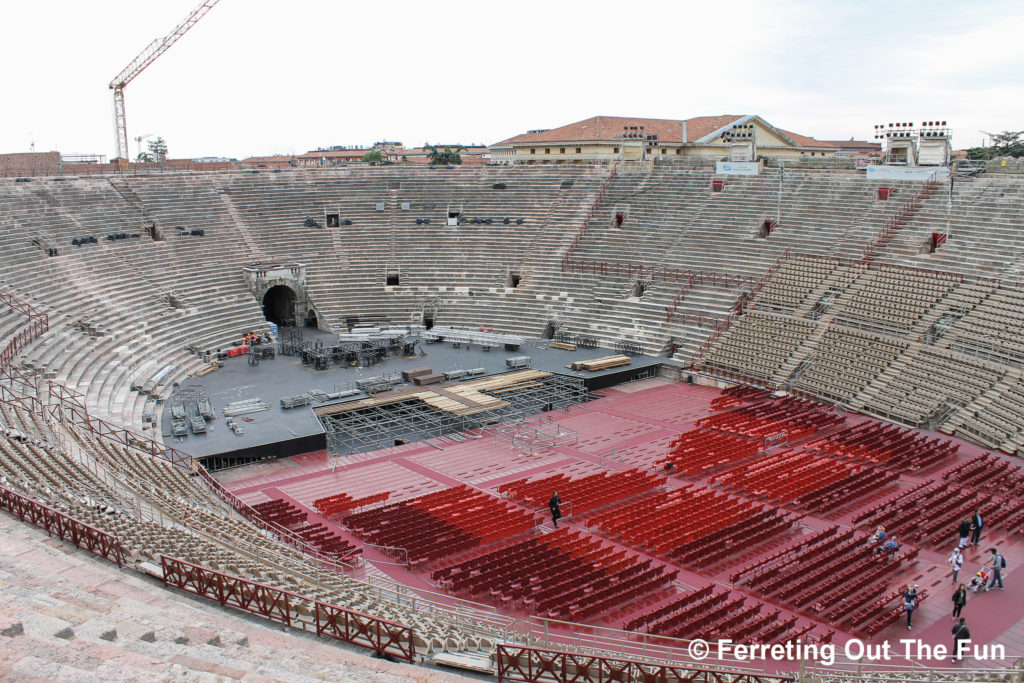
{"x":138,"y":65}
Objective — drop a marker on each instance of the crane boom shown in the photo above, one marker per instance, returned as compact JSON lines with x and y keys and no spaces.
{"x":139,"y":64}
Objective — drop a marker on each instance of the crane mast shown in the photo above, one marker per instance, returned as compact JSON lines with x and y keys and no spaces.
{"x":138,"y":65}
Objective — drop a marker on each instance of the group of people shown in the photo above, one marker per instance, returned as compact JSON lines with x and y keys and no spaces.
{"x":882,"y":545}
{"x":256,"y":338}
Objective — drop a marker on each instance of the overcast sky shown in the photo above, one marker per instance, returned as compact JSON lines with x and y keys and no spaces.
{"x":261,"y":77}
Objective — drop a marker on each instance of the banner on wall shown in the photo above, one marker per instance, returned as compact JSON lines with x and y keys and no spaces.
{"x":737,"y":168}
{"x":918,"y":173}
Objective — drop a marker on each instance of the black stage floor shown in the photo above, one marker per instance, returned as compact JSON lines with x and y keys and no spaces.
{"x":280,"y":432}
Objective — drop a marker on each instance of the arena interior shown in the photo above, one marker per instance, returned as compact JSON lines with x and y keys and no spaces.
{"x":731,"y":381}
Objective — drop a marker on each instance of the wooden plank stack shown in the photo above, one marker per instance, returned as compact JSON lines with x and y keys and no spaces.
{"x":602,"y":363}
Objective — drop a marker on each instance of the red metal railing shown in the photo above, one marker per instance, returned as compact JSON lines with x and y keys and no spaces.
{"x":567,"y":258}
{"x":903,"y":215}
{"x":66,"y":528}
{"x":379,"y":635}
{"x":38,"y":323}
{"x":534,"y":665}
{"x":275,"y":604}
{"x":701,"y":277}
{"x":722,"y":326}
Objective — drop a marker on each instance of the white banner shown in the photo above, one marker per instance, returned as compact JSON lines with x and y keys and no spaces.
{"x":737,"y":168}
{"x":906,"y":173}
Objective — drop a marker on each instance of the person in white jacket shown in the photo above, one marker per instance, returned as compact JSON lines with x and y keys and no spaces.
{"x":956,"y":561}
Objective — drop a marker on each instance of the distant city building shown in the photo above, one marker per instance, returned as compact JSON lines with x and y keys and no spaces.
{"x":607,"y":138}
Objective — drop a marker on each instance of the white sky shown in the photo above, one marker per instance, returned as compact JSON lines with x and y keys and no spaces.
{"x":261,"y":77}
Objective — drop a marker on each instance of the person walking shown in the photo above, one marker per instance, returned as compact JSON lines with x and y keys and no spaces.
{"x":965,"y":532}
{"x":998,"y":565}
{"x":960,"y":634}
{"x":956,"y":561}
{"x":959,"y":600}
{"x":910,"y":604}
{"x":555,"y":505}
{"x":977,"y":522}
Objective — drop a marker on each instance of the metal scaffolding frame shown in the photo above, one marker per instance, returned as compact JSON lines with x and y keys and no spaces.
{"x":380,"y":426}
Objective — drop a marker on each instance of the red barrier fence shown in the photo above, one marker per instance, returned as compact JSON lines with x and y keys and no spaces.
{"x":66,"y":528}
{"x":533,"y":665}
{"x":380,"y":635}
{"x":359,"y":629}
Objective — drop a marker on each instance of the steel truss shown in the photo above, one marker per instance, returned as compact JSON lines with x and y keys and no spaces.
{"x":379,"y":426}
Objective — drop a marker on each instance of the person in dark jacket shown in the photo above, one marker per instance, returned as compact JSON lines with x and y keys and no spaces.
{"x":977,"y":522}
{"x":961,"y":634}
{"x":910,"y":604}
{"x":555,"y":505}
{"x":965,"y":532}
{"x":959,"y":600}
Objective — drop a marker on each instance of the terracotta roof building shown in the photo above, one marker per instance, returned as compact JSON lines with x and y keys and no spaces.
{"x":605,"y":138}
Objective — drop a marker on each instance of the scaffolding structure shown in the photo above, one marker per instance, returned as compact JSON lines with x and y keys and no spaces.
{"x":533,"y":433}
{"x":472,"y":337}
{"x":372,"y":425}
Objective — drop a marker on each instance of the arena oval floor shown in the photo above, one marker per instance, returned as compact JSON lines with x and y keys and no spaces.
{"x":801,"y":386}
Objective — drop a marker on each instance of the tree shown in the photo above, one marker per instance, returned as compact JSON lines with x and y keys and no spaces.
{"x":374,"y":156}
{"x":144,"y":158}
{"x":445,"y":157}
{"x":158,"y":150}
{"x":1008,"y":144}
{"x":978,"y":153}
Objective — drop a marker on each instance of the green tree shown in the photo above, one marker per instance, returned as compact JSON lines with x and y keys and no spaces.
{"x":144,"y":158}
{"x":374,"y":156}
{"x":978,"y":153}
{"x":158,"y":150}
{"x":1008,"y":144}
{"x":443,"y":157}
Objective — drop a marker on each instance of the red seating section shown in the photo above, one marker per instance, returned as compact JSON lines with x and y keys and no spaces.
{"x":702,"y":449}
{"x":812,"y":481}
{"x":343,"y":502}
{"x":794,"y":416}
{"x":585,"y":493}
{"x":830,"y":576}
{"x":737,"y":394}
{"x":691,"y":524}
{"x":723,"y":615}
{"x":566,"y":574}
{"x":317,"y":535}
{"x":988,"y":473}
{"x":931,"y":513}
{"x":440,"y":523}
{"x":889,"y":446}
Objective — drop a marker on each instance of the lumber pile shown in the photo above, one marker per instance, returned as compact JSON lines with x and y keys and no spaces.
{"x":602,"y":363}
{"x":564,"y":347}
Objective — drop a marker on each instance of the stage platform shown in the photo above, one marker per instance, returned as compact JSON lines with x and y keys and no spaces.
{"x":630,"y":427}
{"x":282,"y":432}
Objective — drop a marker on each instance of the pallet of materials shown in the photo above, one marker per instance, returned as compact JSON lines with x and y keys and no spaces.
{"x":410,"y":375}
{"x":563,"y":346}
{"x":602,"y":363}
{"x":432,"y":378}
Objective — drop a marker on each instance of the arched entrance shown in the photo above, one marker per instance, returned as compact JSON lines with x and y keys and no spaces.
{"x":279,"y":305}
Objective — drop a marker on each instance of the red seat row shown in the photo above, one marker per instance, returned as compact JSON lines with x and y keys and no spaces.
{"x":890,"y":446}
{"x":585,"y":493}
{"x":440,"y":523}
{"x":565,"y":574}
{"x":343,"y":502}
{"x":787,"y":475}
{"x":698,"y":450}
